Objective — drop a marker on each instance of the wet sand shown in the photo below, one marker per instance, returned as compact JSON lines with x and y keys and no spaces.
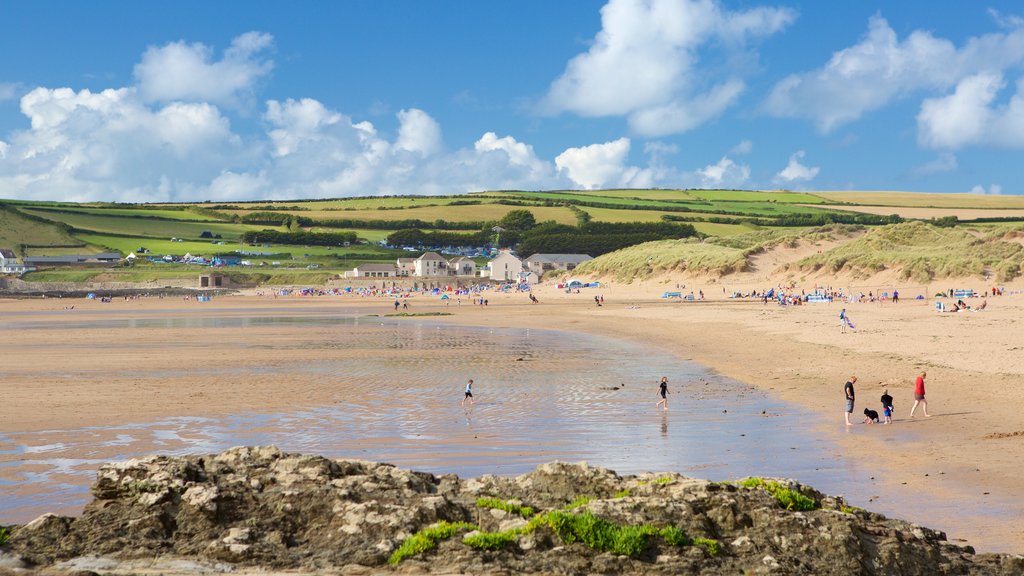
{"x":87,"y":373}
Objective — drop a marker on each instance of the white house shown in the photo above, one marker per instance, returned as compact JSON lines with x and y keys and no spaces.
{"x":541,"y":263}
{"x":462,"y":266}
{"x":374,"y":270}
{"x":9,"y":263}
{"x":406,"y":266}
{"x":431,"y":264}
{"x":504,"y":267}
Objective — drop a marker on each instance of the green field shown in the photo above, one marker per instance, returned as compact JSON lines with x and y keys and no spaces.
{"x":471,"y":213}
{"x":747,"y":220}
{"x":127,"y":244}
{"x":340,"y":204}
{"x":140,"y":212}
{"x":16,"y":231}
{"x":146,"y":227}
{"x":758,"y":196}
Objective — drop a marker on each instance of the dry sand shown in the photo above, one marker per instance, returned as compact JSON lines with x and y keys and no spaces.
{"x":969,"y":452}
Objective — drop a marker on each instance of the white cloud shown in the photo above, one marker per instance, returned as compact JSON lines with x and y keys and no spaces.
{"x":881,"y":68}
{"x":109,"y":145}
{"x":180,"y":71}
{"x":795,"y":171}
{"x":1005,"y":20}
{"x":595,"y":165}
{"x":945,"y":162}
{"x":725,"y":173}
{"x":969,"y":116}
{"x":744,"y":147}
{"x":992,"y":189}
{"x":145,"y":143}
{"x":685,"y":115}
{"x":653,"y":48}
{"x":8,"y":91}
{"x":418,"y":132}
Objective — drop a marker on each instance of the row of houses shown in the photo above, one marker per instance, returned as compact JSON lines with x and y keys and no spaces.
{"x":505,"y":267}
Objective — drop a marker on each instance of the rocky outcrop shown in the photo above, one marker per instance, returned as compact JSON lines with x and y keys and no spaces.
{"x":257,"y":509}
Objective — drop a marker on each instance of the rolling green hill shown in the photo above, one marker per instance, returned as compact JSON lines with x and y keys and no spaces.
{"x":732,"y":222}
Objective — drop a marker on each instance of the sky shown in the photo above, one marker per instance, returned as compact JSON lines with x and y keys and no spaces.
{"x":221,"y":101}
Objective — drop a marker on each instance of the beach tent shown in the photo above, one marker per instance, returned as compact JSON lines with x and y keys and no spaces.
{"x":574,"y":284}
{"x":444,"y":297}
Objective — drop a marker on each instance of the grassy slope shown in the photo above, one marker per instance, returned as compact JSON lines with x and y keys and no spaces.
{"x":16,"y":230}
{"x":147,"y":227}
{"x":717,"y":255}
{"x":923,"y":252}
{"x":205,"y":248}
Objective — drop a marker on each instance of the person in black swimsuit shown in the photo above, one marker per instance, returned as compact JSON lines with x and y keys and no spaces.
{"x":663,"y":391}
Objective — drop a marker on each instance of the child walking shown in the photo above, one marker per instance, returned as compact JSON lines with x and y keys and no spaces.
{"x":887,"y":406}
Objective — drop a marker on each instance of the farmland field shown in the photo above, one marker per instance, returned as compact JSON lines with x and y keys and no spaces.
{"x":127,"y":244}
{"x":148,"y":227}
{"x":470,"y":213}
{"x":756,"y":196}
{"x":340,"y":204}
{"x":16,"y":230}
{"x":921,"y":200}
{"x":168,"y":214}
{"x":914,"y":212}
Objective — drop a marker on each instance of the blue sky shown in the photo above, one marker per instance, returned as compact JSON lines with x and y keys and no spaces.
{"x":225,"y":101}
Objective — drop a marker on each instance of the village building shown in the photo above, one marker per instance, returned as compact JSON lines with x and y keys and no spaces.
{"x":541,"y":263}
{"x":505,"y":267}
{"x":373,"y":270}
{"x":406,"y":266}
{"x":73,"y":259}
{"x":431,"y":264}
{"x":462,"y":266}
{"x":9,"y":263}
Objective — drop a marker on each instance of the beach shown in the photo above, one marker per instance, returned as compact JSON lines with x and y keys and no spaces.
{"x":957,"y":469}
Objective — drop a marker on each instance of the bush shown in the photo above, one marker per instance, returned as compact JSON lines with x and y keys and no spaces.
{"x":300,"y":238}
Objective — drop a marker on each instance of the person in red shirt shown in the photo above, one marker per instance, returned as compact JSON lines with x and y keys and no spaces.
{"x":919,"y":395}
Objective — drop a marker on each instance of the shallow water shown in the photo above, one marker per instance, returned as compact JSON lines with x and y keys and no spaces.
{"x":541,"y":396}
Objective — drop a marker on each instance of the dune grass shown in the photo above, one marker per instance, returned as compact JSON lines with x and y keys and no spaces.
{"x":714,"y":255}
{"x":923,"y":252}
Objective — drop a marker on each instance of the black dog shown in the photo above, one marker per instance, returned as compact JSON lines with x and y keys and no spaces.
{"x":870,"y":416}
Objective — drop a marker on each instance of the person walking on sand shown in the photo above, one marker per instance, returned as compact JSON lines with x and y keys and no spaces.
{"x":850,"y":396}
{"x":663,"y":391}
{"x":469,"y":394}
{"x":842,"y":320}
{"x":887,"y":406}
{"x":919,"y":396}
